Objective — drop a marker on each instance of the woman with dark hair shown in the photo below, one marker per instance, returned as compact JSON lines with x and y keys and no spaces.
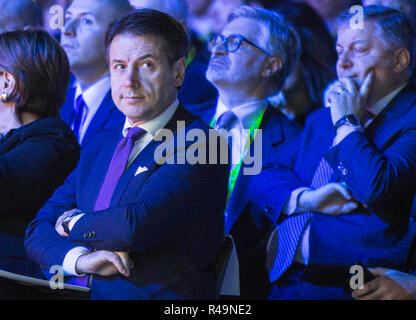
{"x":303,"y":90}
{"x":37,"y":149}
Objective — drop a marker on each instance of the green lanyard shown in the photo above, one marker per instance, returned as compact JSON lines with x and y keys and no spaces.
{"x":234,"y":173}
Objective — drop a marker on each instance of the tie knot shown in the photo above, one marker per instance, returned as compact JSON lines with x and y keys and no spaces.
{"x":135,"y":133}
{"x":79,"y":103}
{"x":227,"y":120}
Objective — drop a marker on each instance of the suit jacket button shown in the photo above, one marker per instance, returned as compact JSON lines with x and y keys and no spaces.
{"x":93,"y":234}
{"x":342,"y":169}
{"x":267,"y":210}
{"x":87,"y":235}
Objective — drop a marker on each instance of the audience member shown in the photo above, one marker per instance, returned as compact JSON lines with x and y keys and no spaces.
{"x":37,"y":149}
{"x":164,"y":219}
{"x":250,"y":60}
{"x":406,"y":6}
{"x":18,"y":14}
{"x":195,"y":88}
{"x":89,"y":107}
{"x":303,"y":91}
{"x":359,"y":159}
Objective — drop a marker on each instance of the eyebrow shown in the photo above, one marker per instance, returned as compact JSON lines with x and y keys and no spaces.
{"x":149,"y":55}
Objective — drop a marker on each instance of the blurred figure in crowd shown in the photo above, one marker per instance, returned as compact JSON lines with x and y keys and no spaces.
{"x":18,"y":14}
{"x":89,"y":106}
{"x":406,"y":6}
{"x":330,"y":9}
{"x":303,"y":89}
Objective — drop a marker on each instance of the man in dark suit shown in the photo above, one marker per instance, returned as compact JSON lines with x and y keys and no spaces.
{"x":349,"y":197}
{"x":145,"y":223}
{"x":249,"y":61}
{"x":89,"y":107}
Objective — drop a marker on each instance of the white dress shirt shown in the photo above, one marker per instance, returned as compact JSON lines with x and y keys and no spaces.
{"x":151,"y":128}
{"x":302,"y":252}
{"x":93,"y":97}
{"x":247,"y":114}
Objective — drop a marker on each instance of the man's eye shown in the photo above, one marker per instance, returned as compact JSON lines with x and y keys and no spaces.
{"x":119,"y":67}
{"x":86,"y":21}
{"x":147,"y":65}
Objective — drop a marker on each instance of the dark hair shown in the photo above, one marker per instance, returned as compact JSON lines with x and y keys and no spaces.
{"x":392,"y":26}
{"x":318,"y":57}
{"x":154,"y":23}
{"x":41,"y":69}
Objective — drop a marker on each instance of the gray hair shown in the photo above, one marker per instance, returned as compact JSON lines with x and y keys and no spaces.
{"x":279,"y":38}
{"x":393,"y":26}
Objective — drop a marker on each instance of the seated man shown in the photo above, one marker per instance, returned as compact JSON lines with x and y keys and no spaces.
{"x":250,"y":61}
{"x":349,"y":198}
{"x":88,"y":107}
{"x":163,"y":218}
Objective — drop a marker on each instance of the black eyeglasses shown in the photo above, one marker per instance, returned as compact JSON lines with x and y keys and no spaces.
{"x":231,"y":43}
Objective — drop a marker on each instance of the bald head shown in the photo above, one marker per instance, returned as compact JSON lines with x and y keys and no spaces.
{"x":18,"y":14}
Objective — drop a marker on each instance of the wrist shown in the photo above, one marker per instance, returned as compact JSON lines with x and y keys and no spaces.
{"x":350,"y":120}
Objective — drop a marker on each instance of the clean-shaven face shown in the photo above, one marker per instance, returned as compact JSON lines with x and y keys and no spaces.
{"x":143,"y":82}
{"x":242,"y":67}
{"x":83,"y":35}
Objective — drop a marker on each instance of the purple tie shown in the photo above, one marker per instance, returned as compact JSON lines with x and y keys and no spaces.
{"x":78,"y":115}
{"x":117,"y":166}
{"x":286,"y":236}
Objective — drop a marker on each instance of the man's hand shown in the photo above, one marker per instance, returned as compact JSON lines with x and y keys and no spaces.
{"x":104,"y":263}
{"x":382,"y":288}
{"x":58,"y":224}
{"x":333,"y":199}
{"x":346,"y":97}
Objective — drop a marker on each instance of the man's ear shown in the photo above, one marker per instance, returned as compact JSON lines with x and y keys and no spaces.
{"x":179,"y":68}
{"x":402,"y":62}
{"x":271,"y":66}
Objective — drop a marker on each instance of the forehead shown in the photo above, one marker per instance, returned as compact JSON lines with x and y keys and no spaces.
{"x":94,"y":7}
{"x":248,"y":28}
{"x":131,"y":47}
{"x":347,"y":35}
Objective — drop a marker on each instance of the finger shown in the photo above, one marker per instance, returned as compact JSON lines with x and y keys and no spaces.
{"x":369,"y":287}
{"x":378,"y":271}
{"x":116,"y":261}
{"x":374,"y":295}
{"x":350,"y":85}
{"x":348,"y":207}
{"x":365,"y":87}
{"x":342,"y":190}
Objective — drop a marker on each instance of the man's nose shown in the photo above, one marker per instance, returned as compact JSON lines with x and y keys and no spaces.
{"x":69,"y":28}
{"x":132,"y":78}
{"x":344,"y":60}
{"x":219,"y":48}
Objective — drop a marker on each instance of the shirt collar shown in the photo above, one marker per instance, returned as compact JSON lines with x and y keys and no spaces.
{"x":383,"y":102}
{"x":155,"y":124}
{"x":246,"y":113}
{"x":95,"y":94}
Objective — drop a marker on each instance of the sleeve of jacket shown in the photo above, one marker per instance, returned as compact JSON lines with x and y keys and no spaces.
{"x":172,"y":196}
{"x":43,"y":244}
{"x":378,"y":179}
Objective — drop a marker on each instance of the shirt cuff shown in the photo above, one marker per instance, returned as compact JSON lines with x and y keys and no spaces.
{"x":291,"y":206}
{"x":70,"y":261}
{"x":344,"y":131}
{"x":74,"y":220}
{"x":407,"y":281}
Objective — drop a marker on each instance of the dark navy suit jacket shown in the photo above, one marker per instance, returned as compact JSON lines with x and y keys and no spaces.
{"x":169,"y":218}
{"x":107,"y":116}
{"x":379,"y":168}
{"x":247,"y":223}
{"x":35,"y":159}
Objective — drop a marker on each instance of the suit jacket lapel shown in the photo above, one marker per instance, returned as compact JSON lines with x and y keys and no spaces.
{"x":146,"y":156}
{"x":67,"y":109}
{"x":100,"y":118}
{"x":272,"y":135}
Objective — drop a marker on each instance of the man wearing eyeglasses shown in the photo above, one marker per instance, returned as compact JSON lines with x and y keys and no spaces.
{"x":250,"y":60}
